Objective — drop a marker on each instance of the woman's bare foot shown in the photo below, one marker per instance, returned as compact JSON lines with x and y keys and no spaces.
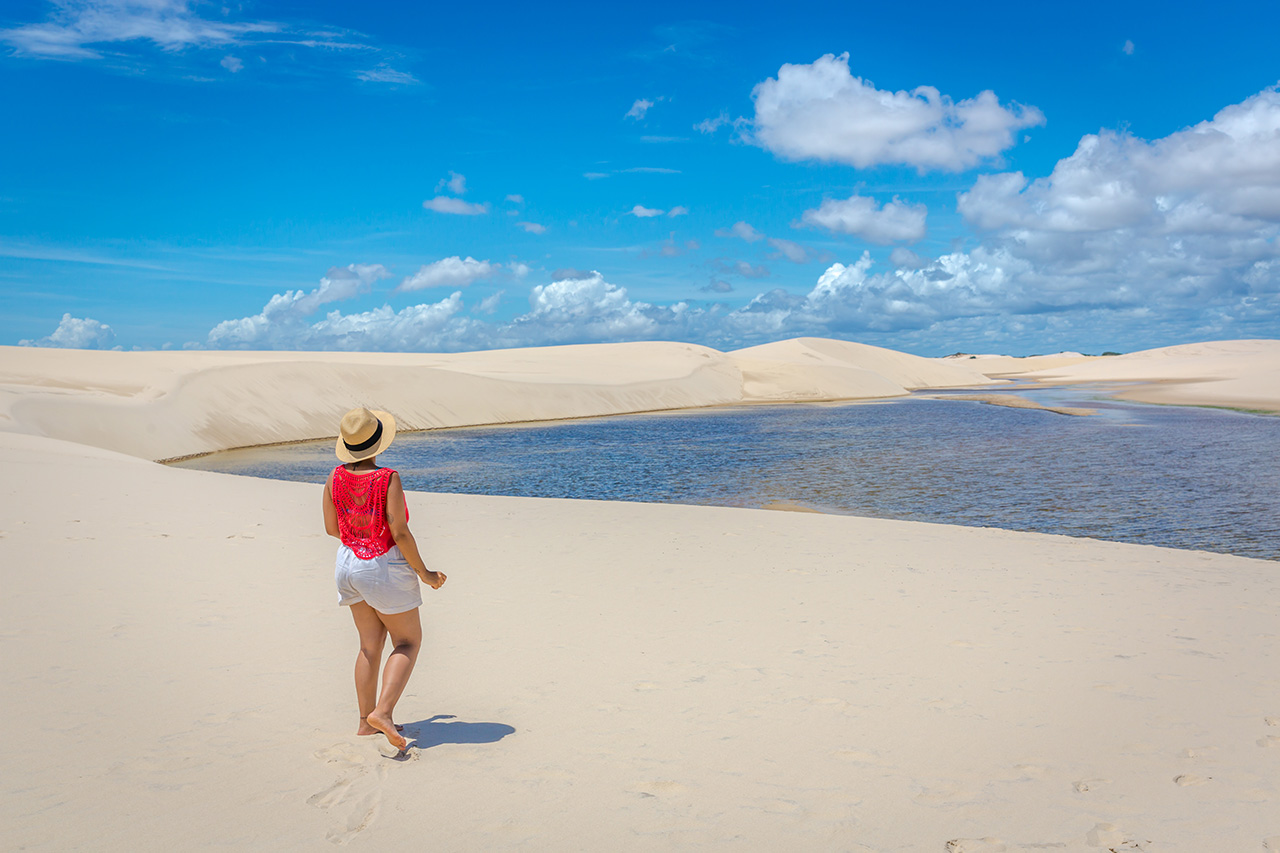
{"x":366,"y":729}
{"x":388,"y":728}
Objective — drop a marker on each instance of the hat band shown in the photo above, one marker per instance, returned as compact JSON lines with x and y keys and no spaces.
{"x":365,"y":445}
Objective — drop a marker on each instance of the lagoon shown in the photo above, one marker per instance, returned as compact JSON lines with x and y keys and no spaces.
{"x":1180,"y":477}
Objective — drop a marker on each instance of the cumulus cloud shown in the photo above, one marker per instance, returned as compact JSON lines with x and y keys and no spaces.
{"x":644,"y":212}
{"x":1128,"y":47}
{"x":448,"y":204}
{"x":895,"y":222}
{"x":822,"y":112}
{"x":678,"y":210}
{"x":455,"y":183}
{"x":514,"y":198}
{"x":76,"y":333}
{"x":287,"y":311}
{"x":1126,"y":243}
{"x":741,"y":230}
{"x":788,"y":249}
{"x":232,"y":64}
{"x":533,"y":227}
{"x":904,"y":258}
{"x":1191,"y":215}
{"x":449,"y":272}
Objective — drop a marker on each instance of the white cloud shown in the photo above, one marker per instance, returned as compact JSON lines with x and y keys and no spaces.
{"x":742,"y":268}
{"x":1126,"y":243}
{"x":455,"y":183}
{"x":595,"y":176}
{"x":446,"y":204}
{"x":384,"y":73}
{"x":639,"y":108}
{"x":533,"y":227}
{"x":168,"y":24}
{"x":76,"y":333}
{"x":792,"y":251}
{"x":231,"y":63}
{"x":515,"y":198}
{"x":711,"y":125}
{"x":895,"y":222}
{"x":904,"y":258}
{"x":1187,"y":217}
{"x":449,"y":272}
{"x":651,"y":170}
{"x":289,"y":310}
{"x":1128,"y":47}
{"x":741,"y":230}
{"x":678,"y":210}
{"x":822,"y":112}
{"x":644,"y":212}
{"x":518,"y":269}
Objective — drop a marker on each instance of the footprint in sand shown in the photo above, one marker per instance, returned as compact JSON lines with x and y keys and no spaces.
{"x":1190,"y":779}
{"x":1271,"y":842}
{"x":976,"y":845}
{"x":658,"y":788}
{"x":1084,"y":786}
{"x":1271,"y":721}
{"x":1112,"y":837}
{"x":1269,"y":740}
{"x":944,"y":794}
{"x":354,"y":799}
{"x":1199,"y":751}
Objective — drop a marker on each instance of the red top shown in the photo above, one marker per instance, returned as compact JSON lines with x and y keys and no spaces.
{"x":361,"y":502}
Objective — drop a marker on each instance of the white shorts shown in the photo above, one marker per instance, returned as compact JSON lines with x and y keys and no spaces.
{"x":385,"y":583}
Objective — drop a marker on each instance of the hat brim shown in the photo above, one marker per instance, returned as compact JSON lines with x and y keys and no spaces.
{"x":388,"y":422}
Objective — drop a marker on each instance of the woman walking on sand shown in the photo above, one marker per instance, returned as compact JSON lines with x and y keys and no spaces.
{"x":378,"y":566}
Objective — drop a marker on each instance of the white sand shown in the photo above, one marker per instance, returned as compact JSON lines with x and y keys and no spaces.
{"x":165,"y":405}
{"x":620,"y":676}
{"x":1234,"y":374}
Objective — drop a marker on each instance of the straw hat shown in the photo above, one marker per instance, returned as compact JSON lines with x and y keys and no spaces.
{"x":363,"y":434}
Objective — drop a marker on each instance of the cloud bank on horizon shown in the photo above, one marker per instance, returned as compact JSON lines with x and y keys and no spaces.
{"x":891,"y":216}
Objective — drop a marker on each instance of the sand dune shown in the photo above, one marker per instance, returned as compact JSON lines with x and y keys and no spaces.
{"x":598,"y":676}
{"x":1236,"y":374}
{"x":165,"y":405}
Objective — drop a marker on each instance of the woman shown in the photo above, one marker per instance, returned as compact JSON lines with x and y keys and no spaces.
{"x":378,"y":566}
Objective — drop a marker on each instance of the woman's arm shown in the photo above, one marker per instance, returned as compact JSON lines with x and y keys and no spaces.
{"x":398,"y":522}
{"x":330,"y":513}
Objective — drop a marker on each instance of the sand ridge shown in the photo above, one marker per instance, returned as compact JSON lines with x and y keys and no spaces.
{"x":172,"y":404}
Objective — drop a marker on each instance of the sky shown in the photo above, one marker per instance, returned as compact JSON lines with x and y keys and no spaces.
{"x":931,"y":177}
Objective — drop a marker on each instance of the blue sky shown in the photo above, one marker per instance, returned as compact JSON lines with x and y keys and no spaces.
{"x":934,"y":178}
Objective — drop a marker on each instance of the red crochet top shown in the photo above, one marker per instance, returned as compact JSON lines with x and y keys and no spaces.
{"x":361,"y":502}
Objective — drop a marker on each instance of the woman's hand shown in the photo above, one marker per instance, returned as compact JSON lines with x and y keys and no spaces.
{"x":435,"y":580}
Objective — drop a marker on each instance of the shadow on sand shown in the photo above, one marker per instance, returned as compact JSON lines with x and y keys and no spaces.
{"x":434,"y":731}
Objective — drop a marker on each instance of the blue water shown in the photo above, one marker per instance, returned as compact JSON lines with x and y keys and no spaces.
{"x":1180,"y":477}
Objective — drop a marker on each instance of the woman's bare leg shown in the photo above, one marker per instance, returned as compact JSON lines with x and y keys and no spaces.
{"x":406,"y":639}
{"x":373,"y":638}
